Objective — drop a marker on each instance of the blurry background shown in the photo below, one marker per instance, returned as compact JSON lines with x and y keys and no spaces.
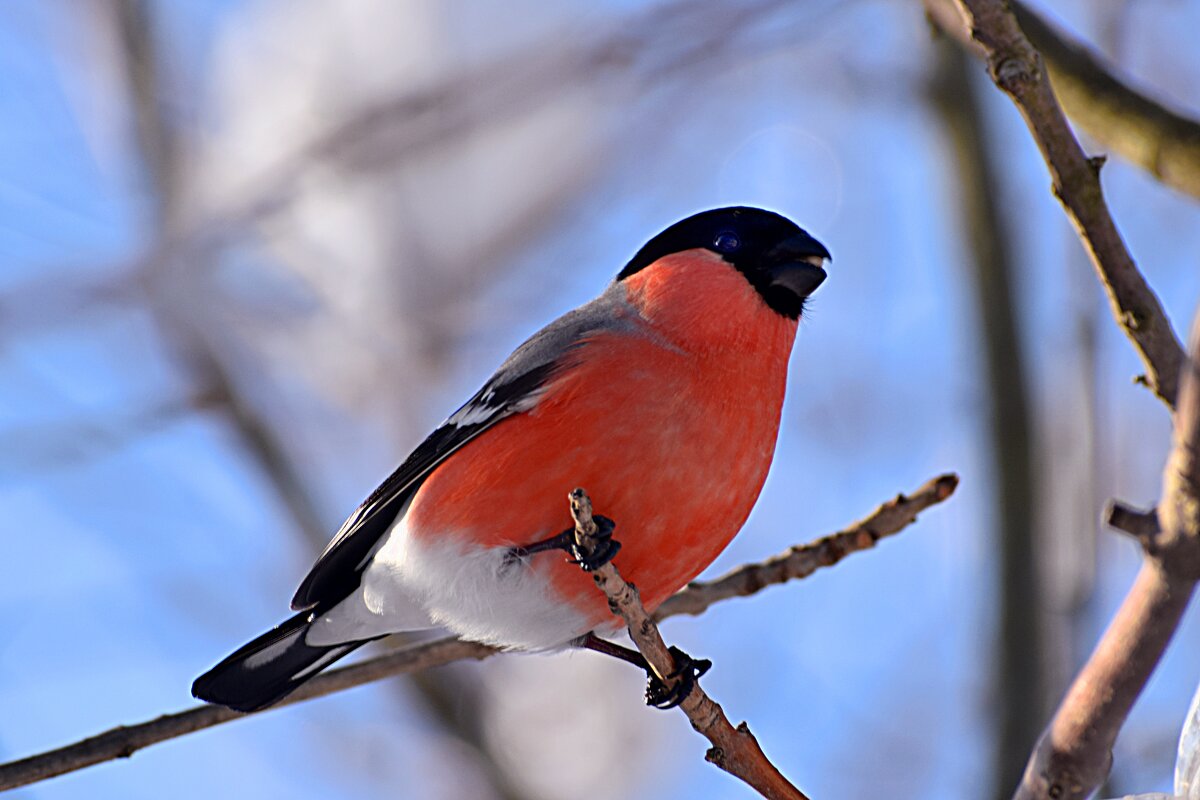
{"x":251,"y":251}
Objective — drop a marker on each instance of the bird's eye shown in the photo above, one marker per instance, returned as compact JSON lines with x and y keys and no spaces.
{"x":727,"y":242}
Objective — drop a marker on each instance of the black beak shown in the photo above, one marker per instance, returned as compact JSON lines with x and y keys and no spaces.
{"x":797,"y":265}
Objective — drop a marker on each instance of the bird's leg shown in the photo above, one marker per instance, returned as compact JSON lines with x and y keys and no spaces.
{"x":658,"y":693}
{"x":606,"y":546}
{"x":563,"y":541}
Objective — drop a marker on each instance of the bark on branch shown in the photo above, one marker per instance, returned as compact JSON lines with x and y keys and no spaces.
{"x":1119,"y":117}
{"x":124,"y":740}
{"x":803,"y":560}
{"x":1141,"y":525}
{"x":1074,"y":755}
{"x":734,"y":750}
{"x":1017,"y":69}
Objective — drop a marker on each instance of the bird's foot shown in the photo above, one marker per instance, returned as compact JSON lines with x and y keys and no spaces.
{"x":679,"y":684}
{"x":682,"y":680}
{"x":606,"y":546}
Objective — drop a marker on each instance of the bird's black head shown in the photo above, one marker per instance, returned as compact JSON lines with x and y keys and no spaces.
{"x":779,"y":259}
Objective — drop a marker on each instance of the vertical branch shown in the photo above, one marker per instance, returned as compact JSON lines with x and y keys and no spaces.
{"x":202,"y":359}
{"x":1107,"y":106}
{"x":158,"y":147}
{"x":1017,"y":69}
{"x":1074,"y":755}
{"x":734,"y":750}
{"x":455,"y":701}
{"x":157,"y":143}
{"x":1020,"y":678}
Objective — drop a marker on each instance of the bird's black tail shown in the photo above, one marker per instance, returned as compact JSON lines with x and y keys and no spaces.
{"x":270,"y":667}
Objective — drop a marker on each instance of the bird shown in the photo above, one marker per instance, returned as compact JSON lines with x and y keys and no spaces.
{"x":662,"y":397}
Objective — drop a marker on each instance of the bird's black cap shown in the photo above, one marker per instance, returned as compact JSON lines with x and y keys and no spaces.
{"x":779,"y":258}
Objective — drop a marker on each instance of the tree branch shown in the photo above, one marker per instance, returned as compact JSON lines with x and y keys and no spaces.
{"x":1141,"y":525}
{"x":124,"y":740}
{"x":1019,"y":670}
{"x":803,"y":560}
{"x":734,"y":750}
{"x":1017,"y":69}
{"x":1119,"y":117}
{"x":1074,"y":754}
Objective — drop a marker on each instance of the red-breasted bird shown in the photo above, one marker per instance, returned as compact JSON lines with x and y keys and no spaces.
{"x":661,"y":397}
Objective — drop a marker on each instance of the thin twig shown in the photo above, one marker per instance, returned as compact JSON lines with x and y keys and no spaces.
{"x":1017,"y":69}
{"x":1074,"y":755}
{"x":734,"y":750}
{"x":803,"y":560}
{"x":1141,"y":525}
{"x":123,"y":741}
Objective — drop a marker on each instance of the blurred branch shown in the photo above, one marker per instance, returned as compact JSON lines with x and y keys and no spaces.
{"x":69,"y":443}
{"x":124,"y":741}
{"x":454,"y":699}
{"x":648,"y":46}
{"x":61,"y":300}
{"x":169,"y":284}
{"x":645,"y":47}
{"x":157,"y":142}
{"x":200,"y":360}
{"x":1020,"y":653}
{"x":263,"y":439}
{"x":1017,"y":69}
{"x":690,"y":38}
{"x":1130,"y":123}
{"x":260,"y":440}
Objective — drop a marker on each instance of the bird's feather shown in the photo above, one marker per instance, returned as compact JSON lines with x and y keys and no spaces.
{"x":264,"y":670}
{"x":513,"y":389}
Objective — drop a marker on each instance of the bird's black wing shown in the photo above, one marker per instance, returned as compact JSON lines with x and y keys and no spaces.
{"x":514,"y":388}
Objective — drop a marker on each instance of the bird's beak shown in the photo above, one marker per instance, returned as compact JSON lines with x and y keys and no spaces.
{"x":798,"y":264}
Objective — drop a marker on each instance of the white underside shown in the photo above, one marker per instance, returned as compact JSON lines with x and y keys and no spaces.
{"x":479,"y":593}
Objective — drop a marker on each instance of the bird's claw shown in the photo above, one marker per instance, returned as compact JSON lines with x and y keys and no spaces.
{"x":687,"y":670}
{"x":606,"y":547}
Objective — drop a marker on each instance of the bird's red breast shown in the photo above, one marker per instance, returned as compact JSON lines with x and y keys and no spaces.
{"x":670,"y":425}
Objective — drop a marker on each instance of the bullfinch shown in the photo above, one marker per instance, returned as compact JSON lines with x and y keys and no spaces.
{"x":661,"y":397}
